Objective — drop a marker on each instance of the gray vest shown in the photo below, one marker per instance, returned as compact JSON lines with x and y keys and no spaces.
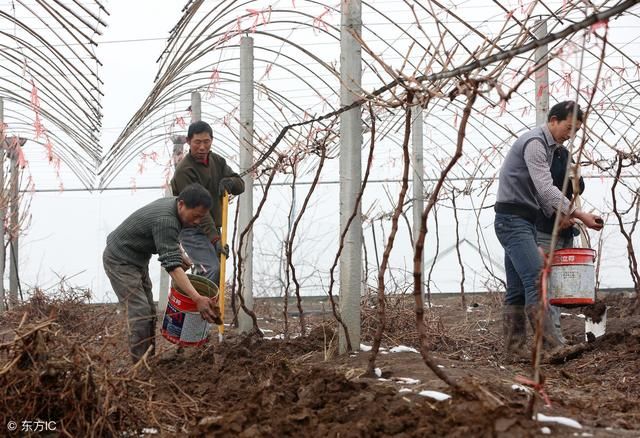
{"x":514,"y":184}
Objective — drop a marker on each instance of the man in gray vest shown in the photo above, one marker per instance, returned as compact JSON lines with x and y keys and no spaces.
{"x":525,"y":186}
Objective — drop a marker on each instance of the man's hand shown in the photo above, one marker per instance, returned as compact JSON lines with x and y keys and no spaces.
{"x":218,"y":319}
{"x":221,"y":249}
{"x":225,"y":185}
{"x":208,"y":310}
{"x":591,"y":220}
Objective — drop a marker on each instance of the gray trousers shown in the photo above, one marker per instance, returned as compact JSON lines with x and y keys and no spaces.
{"x":202,"y":253}
{"x":132,"y":286}
{"x":544,"y":240}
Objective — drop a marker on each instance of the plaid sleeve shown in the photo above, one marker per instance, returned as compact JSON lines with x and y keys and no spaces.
{"x":549,"y":196}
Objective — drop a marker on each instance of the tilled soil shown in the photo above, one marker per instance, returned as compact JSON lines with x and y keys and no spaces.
{"x":262,"y":388}
{"x":250,"y":386}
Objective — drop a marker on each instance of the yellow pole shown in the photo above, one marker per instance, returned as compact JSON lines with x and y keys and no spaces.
{"x":223,"y":262}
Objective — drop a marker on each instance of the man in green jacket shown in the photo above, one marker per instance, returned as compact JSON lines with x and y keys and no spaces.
{"x":200,"y":165}
{"x":154,"y":229}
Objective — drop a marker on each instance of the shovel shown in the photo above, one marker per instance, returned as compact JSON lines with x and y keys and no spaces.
{"x":595,"y":321}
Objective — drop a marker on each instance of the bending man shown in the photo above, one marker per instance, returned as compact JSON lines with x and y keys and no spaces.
{"x":154,"y":229}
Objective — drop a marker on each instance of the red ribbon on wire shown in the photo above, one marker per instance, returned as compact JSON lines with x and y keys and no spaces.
{"x":538,"y":387}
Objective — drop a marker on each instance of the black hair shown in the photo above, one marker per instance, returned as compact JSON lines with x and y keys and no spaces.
{"x":198,"y":128}
{"x":564,"y":110}
{"x":194,"y":195}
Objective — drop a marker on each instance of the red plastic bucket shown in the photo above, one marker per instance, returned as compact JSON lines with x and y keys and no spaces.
{"x":572,"y":279}
{"x":182,"y":323}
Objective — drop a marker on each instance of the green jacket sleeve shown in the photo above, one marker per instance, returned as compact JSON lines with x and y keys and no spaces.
{"x":237,"y":186}
{"x":209,"y":228}
{"x":182,"y":178}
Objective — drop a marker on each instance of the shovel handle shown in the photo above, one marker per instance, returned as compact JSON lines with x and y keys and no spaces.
{"x":223,"y":262}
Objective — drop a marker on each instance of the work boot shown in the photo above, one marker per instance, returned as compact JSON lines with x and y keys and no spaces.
{"x":514,"y":327}
{"x":550,"y":337}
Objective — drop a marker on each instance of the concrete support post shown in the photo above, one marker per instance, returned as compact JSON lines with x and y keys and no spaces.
{"x":163,"y":292}
{"x":542,"y":77}
{"x":196,"y":107}
{"x":245,"y":324}
{"x":417,"y":138}
{"x":14,"y":229}
{"x":350,"y":171}
{"x":3,"y":208}
{"x":178,"y":152}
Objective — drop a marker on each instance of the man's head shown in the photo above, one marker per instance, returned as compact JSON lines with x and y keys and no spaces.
{"x":194,"y":203}
{"x":561,"y":122}
{"x":199,"y":137}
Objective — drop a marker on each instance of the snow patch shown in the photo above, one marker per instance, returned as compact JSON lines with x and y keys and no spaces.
{"x":520,"y":388}
{"x":560,"y":420}
{"x":280,"y":336}
{"x":364,"y":347}
{"x":403,"y":349}
{"x":404,"y":390}
{"x":545,"y":430}
{"x":436,"y":395}
{"x":408,"y":380}
{"x":378,"y":372}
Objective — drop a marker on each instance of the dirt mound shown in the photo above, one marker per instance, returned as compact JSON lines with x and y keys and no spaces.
{"x":57,"y":365}
{"x":48,"y":376}
{"x":251,"y":388}
{"x":73,"y":368}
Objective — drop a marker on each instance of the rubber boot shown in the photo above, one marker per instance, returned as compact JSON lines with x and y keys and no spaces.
{"x":550,"y":337}
{"x":514,"y":326}
{"x":554,"y":312}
